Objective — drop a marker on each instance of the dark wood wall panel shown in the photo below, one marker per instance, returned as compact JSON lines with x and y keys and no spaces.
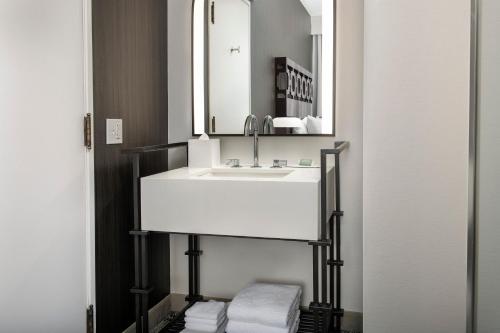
{"x":130,"y":82}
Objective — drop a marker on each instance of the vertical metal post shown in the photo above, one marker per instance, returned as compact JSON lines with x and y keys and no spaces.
{"x":323,"y":229}
{"x":145,"y":282}
{"x":337,"y":239}
{"x":323,"y":196}
{"x":137,"y":245}
{"x":196,"y":265}
{"x":331,"y":256}
{"x":135,"y":188}
{"x":315,"y":287}
{"x":138,"y":319}
{"x":324,"y":299}
{"x":191,"y":266}
{"x":315,"y":274}
{"x":193,"y":254}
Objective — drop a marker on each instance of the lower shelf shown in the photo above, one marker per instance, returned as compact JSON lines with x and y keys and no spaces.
{"x":307,"y":322}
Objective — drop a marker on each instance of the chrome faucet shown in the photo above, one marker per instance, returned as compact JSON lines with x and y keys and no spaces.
{"x":252,"y":127}
{"x":268,"y":125}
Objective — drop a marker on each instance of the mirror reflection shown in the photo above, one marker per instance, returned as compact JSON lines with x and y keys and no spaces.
{"x":273,"y":59}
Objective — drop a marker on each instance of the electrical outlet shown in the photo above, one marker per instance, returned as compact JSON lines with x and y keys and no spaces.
{"x":114,"y":131}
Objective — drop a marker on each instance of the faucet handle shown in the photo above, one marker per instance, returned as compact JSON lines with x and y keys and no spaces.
{"x":280,"y":163}
{"x":233,"y":162}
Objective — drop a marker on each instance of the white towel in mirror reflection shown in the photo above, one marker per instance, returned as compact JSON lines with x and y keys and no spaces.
{"x":307,"y":125}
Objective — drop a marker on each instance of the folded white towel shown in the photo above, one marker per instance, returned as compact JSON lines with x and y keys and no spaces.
{"x":242,"y":327}
{"x":207,"y":310}
{"x":214,"y":322}
{"x":266,"y":304}
{"x":192,"y":324}
{"x":220,"y":329}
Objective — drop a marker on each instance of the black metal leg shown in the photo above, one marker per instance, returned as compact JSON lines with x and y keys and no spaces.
{"x":137,"y":282}
{"x":138,"y":319}
{"x":137,"y":242}
{"x":323,"y":228}
{"x":324,"y":299}
{"x":315,"y":287}
{"x":142,"y":290}
{"x":190,"y":266}
{"x":338,"y":273}
{"x":321,"y":310}
{"x":337,"y":243}
{"x":145,"y":282}
{"x":315,"y":274}
{"x":196,"y":265}
{"x":193,"y":254}
{"x":331,"y":271}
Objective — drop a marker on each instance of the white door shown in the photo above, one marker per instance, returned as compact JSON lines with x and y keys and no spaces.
{"x":42,"y":167}
{"x":229,"y":65}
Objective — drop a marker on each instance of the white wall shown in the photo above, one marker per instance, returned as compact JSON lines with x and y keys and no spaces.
{"x":488,"y":168}
{"x":228,"y":264}
{"x":42,"y":189}
{"x":415,"y":165}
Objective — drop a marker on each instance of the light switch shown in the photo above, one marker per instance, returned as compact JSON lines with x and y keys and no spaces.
{"x":114,"y":131}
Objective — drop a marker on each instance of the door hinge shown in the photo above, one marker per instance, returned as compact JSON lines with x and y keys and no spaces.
{"x":212,"y":12}
{"x":213,"y":124}
{"x":87,"y":131}
{"x":90,"y":319}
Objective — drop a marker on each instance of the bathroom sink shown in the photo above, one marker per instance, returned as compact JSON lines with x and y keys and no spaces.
{"x":246,"y":173}
{"x":246,"y":202}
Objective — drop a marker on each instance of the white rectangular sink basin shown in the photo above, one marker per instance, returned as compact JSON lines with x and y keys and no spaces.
{"x":246,"y":173}
{"x":249,"y":202}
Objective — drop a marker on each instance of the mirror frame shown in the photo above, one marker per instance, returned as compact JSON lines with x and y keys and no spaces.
{"x":334,"y":83}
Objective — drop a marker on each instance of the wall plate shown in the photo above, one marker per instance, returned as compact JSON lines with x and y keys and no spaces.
{"x":114,"y":131}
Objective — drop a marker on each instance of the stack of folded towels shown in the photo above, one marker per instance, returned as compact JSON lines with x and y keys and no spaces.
{"x":206,"y":317}
{"x":265,"y":308}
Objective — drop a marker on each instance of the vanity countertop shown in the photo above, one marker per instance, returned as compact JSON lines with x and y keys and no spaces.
{"x":244,"y":173}
{"x":265,"y":202}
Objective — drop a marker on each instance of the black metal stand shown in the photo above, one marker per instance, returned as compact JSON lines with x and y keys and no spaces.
{"x":142,"y":289}
{"x":324,"y":315}
{"x":330,"y":307}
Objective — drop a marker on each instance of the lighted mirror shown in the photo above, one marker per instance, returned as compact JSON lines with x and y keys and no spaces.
{"x":270,"y":58}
